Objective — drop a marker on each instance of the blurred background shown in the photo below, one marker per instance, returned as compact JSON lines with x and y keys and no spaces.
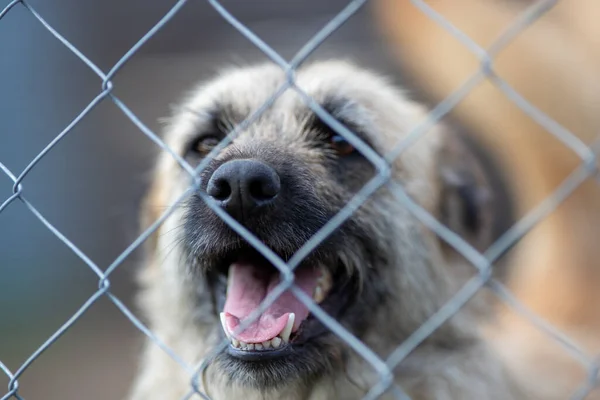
{"x":90,"y":184}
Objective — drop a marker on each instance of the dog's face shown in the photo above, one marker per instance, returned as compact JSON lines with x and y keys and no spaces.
{"x":283,"y":178}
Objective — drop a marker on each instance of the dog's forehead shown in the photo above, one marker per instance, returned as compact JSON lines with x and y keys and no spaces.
{"x":252,"y":86}
{"x":239,"y":92}
{"x":242,"y":92}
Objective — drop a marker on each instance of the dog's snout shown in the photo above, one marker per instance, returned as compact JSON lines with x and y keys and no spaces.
{"x":241,"y":186}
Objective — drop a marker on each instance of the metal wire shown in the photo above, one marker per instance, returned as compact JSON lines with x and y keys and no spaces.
{"x":483,"y":263}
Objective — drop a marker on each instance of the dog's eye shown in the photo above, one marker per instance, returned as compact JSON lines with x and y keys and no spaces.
{"x":341,"y":145}
{"x":204,"y":145}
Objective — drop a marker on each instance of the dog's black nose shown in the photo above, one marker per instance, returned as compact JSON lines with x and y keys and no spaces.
{"x":241,"y":186}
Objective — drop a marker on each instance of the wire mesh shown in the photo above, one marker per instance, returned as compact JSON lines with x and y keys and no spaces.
{"x":482,"y":262}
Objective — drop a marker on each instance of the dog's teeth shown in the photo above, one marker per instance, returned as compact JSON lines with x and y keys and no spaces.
{"x":276,"y":342}
{"x":318,"y":295}
{"x":325,"y":281}
{"x":222,"y":315}
{"x":324,"y":284}
{"x":287,"y":331}
{"x":266,"y":345}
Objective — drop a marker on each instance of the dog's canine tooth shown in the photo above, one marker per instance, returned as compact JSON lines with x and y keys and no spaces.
{"x":287,"y":331}
{"x":324,"y":284}
{"x":222,"y":316}
{"x":235,"y":343}
{"x":318,"y":295}
{"x":325,"y":281}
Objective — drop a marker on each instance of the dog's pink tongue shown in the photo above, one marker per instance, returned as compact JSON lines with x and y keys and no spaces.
{"x":248,"y":286}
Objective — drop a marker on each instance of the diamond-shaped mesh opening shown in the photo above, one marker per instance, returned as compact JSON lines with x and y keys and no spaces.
{"x":60,"y":172}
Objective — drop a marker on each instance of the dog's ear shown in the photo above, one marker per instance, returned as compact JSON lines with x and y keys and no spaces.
{"x":473,"y":199}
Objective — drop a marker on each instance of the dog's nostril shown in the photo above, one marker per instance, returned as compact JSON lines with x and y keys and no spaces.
{"x":264,"y":189}
{"x":219,"y":189}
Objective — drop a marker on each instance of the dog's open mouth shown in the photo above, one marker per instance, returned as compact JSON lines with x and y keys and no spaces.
{"x":287,"y":321}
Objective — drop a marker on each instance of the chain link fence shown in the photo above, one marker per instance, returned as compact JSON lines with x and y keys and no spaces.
{"x":483,"y":262}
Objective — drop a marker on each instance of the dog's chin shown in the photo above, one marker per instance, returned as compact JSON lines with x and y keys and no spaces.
{"x":287,"y":343}
{"x":303,"y":364}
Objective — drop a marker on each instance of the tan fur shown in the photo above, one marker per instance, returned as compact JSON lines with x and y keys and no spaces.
{"x":554,"y":64}
{"x":424,"y":278}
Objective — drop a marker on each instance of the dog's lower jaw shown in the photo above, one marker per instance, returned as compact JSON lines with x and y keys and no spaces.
{"x":219,"y":388}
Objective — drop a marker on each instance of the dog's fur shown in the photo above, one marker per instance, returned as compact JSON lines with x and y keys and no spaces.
{"x":554,"y":64}
{"x":403,"y":272}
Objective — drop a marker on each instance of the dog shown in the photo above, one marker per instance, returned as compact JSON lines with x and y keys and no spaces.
{"x":381,"y":274}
